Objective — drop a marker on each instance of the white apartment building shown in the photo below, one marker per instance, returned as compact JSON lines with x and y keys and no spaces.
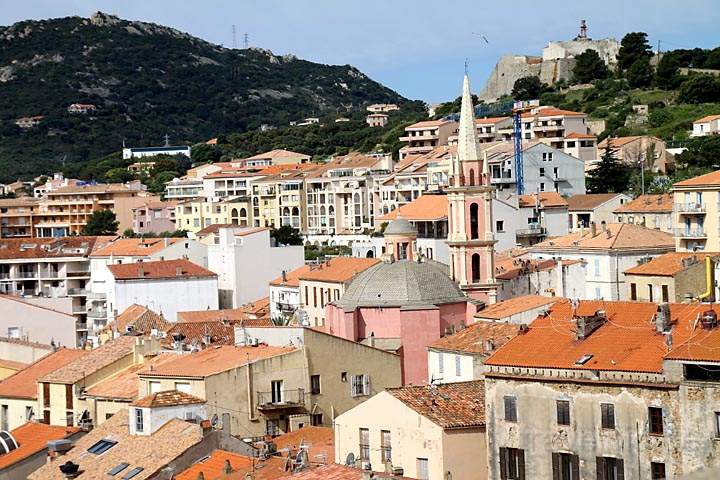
{"x":708,"y":125}
{"x":528,"y":219}
{"x":423,"y":137}
{"x":246,"y":260}
{"x":184,"y":188}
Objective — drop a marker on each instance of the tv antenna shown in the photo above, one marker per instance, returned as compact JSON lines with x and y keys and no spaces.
{"x":246,"y":41}
{"x":167,"y":140}
{"x":234,"y":36}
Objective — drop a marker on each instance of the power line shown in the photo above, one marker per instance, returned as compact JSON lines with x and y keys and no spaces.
{"x":234,"y":36}
{"x":246,"y":41}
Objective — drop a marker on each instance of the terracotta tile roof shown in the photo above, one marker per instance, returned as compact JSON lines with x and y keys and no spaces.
{"x":230,"y":315}
{"x":449,"y":405}
{"x":214,"y":360}
{"x":135,"y":247}
{"x":489,"y":120}
{"x":711,"y":179}
{"x":333,"y":471}
{"x":579,"y":135}
{"x":23,"y":384}
{"x":21,"y":248}
{"x":258,"y":308}
{"x":151,"y":452}
{"x":277,"y":153}
{"x":157,"y":205}
{"x":12,"y":365}
{"x":512,"y":267}
{"x":212,"y":466}
{"x":622,"y":141}
{"x":159,"y":270}
{"x":701,"y":344}
{"x":320,"y":442}
{"x":551,"y":112}
{"x":220,"y":333}
{"x":140,"y":319}
{"x":292,"y":278}
{"x":708,"y":118}
{"x":125,"y":385}
{"x":92,"y":362}
{"x":545,"y":199}
{"x":425,"y":208}
{"x":660,"y":203}
{"x":338,"y":269}
{"x":245,"y":231}
{"x":167,"y":398}
{"x":668,"y":264}
{"x":93,"y":189}
{"x":628,"y":341}
{"x":589,"y":201}
{"x":427,"y":124}
{"x":515,"y":305}
{"x":272,"y":468}
{"x":473,"y":339}
{"x":621,"y":236}
{"x":214,"y":228}
{"x":32,"y":438}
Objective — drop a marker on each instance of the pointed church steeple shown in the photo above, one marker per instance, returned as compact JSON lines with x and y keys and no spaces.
{"x":467,"y":139}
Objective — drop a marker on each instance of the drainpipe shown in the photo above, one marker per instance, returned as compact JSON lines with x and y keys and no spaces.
{"x":248,"y":378}
{"x":708,"y":280}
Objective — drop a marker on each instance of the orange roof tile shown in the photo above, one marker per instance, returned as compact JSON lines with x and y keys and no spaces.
{"x":20,"y":248}
{"x":620,"y":141}
{"x":425,"y":208}
{"x":219,"y":332}
{"x":230,"y":315}
{"x":427,"y":124}
{"x":649,"y":203}
{"x":708,"y":118}
{"x":277,"y":153}
{"x":92,"y":362}
{"x":489,"y":120}
{"x":589,"y":201}
{"x":320,"y":442}
{"x":32,"y":438}
{"x":214,"y":228}
{"x":333,"y":471}
{"x":23,"y":384}
{"x":159,"y":270}
{"x":259,"y":307}
{"x":12,"y":365}
{"x":668,"y":264}
{"x":579,"y":135}
{"x":338,"y":269}
{"x":167,"y":398}
{"x":449,"y":405}
{"x":212,"y":466}
{"x":545,"y":199}
{"x":711,"y":179}
{"x":474,"y":337}
{"x":508,"y":268}
{"x":701,"y":344}
{"x":628,"y":341}
{"x":551,"y":112}
{"x":135,"y":247}
{"x":140,"y":319}
{"x":272,"y":468}
{"x":515,"y":305}
{"x":618,"y":236}
{"x":125,"y":385}
{"x":214,"y":360}
{"x":292,"y":278}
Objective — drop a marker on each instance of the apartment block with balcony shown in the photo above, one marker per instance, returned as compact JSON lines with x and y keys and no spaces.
{"x":551,"y":125}
{"x":197,"y":214}
{"x":422,"y":137}
{"x":583,"y":146}
{"x":154,"y":217}
{"x":184,"y":188}
{"x":696,"y":213}
{"x":17,"y":217}
{"x":279,"y":200}
{"x":50,"y":272}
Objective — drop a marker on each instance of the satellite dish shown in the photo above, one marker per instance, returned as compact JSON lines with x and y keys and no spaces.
{"x":214,"y":421}
{"x":350,"y":460}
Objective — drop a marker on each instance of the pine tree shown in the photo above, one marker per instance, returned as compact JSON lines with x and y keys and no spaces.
{"x":610,"y":175}
{"x":101,"y":222}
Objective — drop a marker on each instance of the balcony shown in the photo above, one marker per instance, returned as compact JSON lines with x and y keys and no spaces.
{"x":77,"y":274}
{"x":416,"y":138}
{"x":287,"y":399}
{"x":531,"y":231}
{"x":81,"y":326}
{"x":690,"y":233}
{"x":25,"y":274}
{"x":77,"y":292}
{"x":96,"y":296}
{"x":100,"y":313}
{"x":502,"y":180}
{"x":690,"y":208}
{"x":285,"y":307}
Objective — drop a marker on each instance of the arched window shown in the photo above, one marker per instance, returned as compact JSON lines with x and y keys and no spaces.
{"x":475,"y":268}
{"x":243,"y":212}
{"x":370,"y":254}
{"x":472,"y":177}
{"x":295,"y":211}
{"x":474,"y":221}
{"x":234,"y":216}
{"x":286,"y":212}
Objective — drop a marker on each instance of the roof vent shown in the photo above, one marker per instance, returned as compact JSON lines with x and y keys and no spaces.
{"x":588,"y":324}
{"x":584,"y":359}
{"x":7,"y":442}
{"x":178,"y":272}
{"x":709,"y":319}
{"x":662,"y":318}
{"x":70,"y":469}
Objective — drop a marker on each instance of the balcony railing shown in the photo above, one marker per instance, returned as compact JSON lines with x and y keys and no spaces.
{"x":78,"y":274}
{"x":25,"y":274}
{"x":283,"y":399}
{"x":690,"y":232}
{"x":530,"y":232}
{"x":285,"y":307}
{"x":690,"y":207}
{"x":77,"y":292}
{"x":97,"y":313}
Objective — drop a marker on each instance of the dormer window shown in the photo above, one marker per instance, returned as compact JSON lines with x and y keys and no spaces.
{"x":139,"y":419}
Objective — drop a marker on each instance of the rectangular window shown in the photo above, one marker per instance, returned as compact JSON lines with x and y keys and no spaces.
{"x":441,"y":364}
{"x":360,"y":385}
{"x":657,"y":471}
{"x":101,"y":446}
{"x":566,"y":466}
{"x":315,"y":384}
{"x":307,"y":297}
{"x":609,"y":468}
{"x":153,"y":386}
{"x":512,"y":464}
{"x":364,"y":444}
{"x":510,"y":409}
{"x":316,"y":419}
{"x":458,"y":365}
{"x":422,"y":469}
{"x":633,"y":291}
{"x":607,"y":414}
{"x":183,"y":387}
{"x":4,"y":417}
{"x":563,"y":412}
{"x":650,"y":293}
{"x":665,"y":293}
{"x":596,"y":263}
{"x":139,"y":419}
{"x":655,"y":417}
{"x":276,"y":391}
{"x":542,"y":172}
{"x":132,"y":473}
{"x":499,"y":226}
{"x":315,"y":297}
{"x":46,"y":394}
{"x":29,"y":414}
{"x":68,"y":397}
{"x":385,"y":446}
{"x":542,"y":187}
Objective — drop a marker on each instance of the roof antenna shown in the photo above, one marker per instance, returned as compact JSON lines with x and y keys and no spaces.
{"x":466,"y":66}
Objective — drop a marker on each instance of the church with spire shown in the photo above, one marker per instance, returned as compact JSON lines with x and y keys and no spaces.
{"x":470,"y":237}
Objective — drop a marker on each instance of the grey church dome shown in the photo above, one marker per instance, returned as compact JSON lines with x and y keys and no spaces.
{"x":401,"y":284}
{"x":400,"y":226}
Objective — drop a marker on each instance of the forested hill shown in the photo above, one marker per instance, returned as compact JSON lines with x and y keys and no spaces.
{"x":147,"y":81}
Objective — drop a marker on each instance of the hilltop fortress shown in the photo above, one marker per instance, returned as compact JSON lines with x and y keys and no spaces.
{"x":556,"y":63}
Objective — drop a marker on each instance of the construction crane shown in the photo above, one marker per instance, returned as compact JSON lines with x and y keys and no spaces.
{"x":520,"y":107}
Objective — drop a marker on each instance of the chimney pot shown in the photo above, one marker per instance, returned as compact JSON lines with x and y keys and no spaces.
{"x":178,"y":272}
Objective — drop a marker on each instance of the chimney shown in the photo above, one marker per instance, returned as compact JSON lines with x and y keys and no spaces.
{"x":166,"y":241}
{"x":141,"y":271}
{"x":588,"y":324}
{"x":662,"y":318}
{"x":371,"y":340}
{"x":58,"y":448}
{"x":603,"y":226}
{"x":227,"y":468}
{"x":593,"y":229}
{"x":284,"y":276}
{"x":70,"y":469}
{"x":178,"y":272}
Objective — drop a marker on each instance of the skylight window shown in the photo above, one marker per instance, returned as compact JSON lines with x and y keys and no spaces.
{"x":119,"y":468}
{"x":132,"y":473}
{"x":584,"y":359}
{"x":102,"y":446}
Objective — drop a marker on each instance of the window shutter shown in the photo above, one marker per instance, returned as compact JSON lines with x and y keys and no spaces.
{"x":503,"y":463}
{"x":620,"y":469}
{"x":600,"y":462}
{"x":366,"y":384}
{"x":575,"y":467}
{"x":556,"y":466}
{"x":521,"y":464}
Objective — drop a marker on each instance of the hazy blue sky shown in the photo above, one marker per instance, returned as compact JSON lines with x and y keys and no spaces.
{"x":415,"y":47}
